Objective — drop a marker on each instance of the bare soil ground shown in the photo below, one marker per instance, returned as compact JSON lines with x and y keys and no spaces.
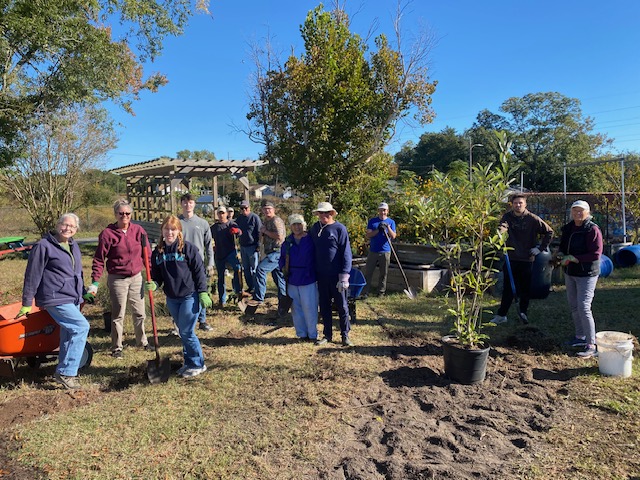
{"x":533,"y":417}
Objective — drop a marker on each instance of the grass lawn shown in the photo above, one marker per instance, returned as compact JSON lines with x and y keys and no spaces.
{"x":273,"y":407}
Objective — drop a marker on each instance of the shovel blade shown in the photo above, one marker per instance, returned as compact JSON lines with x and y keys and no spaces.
{"x":158,"y":370}
{"x":411,"y":293}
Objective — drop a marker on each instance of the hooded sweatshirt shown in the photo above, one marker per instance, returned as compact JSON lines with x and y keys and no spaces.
{"x":179,"y":274}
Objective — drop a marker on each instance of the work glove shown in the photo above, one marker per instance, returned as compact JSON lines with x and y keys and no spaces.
{"x":343,"y":282}
{"x":534,"y":251}
{"x":89,"y":298}
{"x":23,"y":311}
{"x":235,"y":231}
{"x":93,"y":289}
{"x":567,"y":259}
{"x":210,"y":271}
{"x":205,"y":300}
{"x":150,"y":286}
{"x":383,"y":227}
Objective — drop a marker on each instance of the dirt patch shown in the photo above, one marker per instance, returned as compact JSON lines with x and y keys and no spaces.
{"x":30,"y":406}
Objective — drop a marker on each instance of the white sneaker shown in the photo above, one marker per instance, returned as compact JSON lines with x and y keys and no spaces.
{"x":498,"y":319}
{"x":193,"y":372}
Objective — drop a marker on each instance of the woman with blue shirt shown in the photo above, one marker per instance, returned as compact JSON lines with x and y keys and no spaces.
{"x":177,"y":266}
{"x":297,"y":263}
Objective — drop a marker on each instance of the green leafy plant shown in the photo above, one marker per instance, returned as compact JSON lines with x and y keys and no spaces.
{"x":459,"y":217}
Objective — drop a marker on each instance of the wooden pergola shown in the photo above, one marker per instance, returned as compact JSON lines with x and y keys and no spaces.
{"x":151,"y":185}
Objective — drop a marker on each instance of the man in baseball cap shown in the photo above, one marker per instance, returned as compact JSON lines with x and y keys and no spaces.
{"x":380,"y":230}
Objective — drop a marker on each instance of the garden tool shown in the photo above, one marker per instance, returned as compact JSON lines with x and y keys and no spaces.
{"x":409,"y":292}
{"x":516,"y":300}
{"x":158,"y":370}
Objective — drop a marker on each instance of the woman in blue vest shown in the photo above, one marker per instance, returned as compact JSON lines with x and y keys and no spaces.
{"x":580,"y":252}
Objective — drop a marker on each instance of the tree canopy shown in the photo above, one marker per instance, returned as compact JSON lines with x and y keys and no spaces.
{"x":58,"y":52}
{"x":324,"y":116}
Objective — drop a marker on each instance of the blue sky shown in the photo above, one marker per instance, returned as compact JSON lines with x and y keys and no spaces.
{"x":485,"y":52}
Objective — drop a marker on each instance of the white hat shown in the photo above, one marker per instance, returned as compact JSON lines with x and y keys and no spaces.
{"x":222,"y":209}
{"x":324,"y":207}
{"x":581,"y":204}
{"x":383,"y":205}
{"x":297,"y":218}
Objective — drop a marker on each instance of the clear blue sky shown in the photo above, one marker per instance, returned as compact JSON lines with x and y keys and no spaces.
{"x":485,"y":53}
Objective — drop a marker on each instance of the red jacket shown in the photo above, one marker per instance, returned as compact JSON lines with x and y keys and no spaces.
{"x":121,"y":252}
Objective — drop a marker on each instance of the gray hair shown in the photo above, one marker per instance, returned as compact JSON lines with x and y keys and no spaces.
{"x":69,"y":215}
{"x":121,"y":203}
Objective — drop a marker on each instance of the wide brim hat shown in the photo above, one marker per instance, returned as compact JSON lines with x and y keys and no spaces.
{"x":325,"y":207}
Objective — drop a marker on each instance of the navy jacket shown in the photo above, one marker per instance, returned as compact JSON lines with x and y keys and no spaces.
{"x":332,"y":247}
{"x":301,"y":260}
{"x":179,"y":274}
{"x":250,"y":226}
{"x":52,"y":278}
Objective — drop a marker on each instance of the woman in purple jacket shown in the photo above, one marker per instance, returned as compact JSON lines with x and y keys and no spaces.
{"x":297,"y":262}
{"x":54,"y":278}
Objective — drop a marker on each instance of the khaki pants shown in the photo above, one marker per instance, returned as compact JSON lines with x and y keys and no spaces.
{"x":121,"y":290}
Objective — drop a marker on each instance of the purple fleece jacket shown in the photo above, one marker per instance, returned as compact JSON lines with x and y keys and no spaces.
{"x":52,"y":278}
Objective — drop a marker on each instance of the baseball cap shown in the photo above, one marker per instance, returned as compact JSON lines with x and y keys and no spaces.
{"x":581,"y":204}
{"x":383,"y":205}
{"x":244,"y":203}
{"x":267,"y":203}
{"x":221,"y":209}
{"x":296,"y":218}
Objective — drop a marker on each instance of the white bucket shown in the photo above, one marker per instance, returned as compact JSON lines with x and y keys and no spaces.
{"x":615,"y":351}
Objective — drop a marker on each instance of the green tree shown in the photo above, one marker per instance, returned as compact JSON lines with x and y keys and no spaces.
{"x":434,"y":151}
{"x":58,"y":52}
{"x":547,"y":130}
{"x":324,"y":116}
{"x":60,"y":147}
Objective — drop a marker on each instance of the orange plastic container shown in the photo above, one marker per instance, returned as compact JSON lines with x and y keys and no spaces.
{"x":37,"y":333}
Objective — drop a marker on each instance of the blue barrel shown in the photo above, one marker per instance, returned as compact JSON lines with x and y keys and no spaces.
{"x":628,"y":256}
{"x":541,"y":272}
{"x":606,"y":266}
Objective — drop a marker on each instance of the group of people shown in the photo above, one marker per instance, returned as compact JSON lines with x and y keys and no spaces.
{"x":579,"y":254}
{"x":311,"y":269}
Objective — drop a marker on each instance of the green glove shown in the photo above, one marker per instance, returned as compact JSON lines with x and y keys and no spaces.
{"x":150,"y":286}
{"x":89,"y":298}
{"x":567,"y":259}
{"x":205,"y":300}
{"x":23,"y":311}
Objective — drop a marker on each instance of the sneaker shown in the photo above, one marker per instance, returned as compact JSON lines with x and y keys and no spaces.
{"x":205,"y":326}
{"x":588,"y":352}
{"x":576,"y":342}
{"x":498,"y":319}
{"x":175,"y":332}
{"x":117,"y":354}
{"x":346,"y":342}
{"x":193,"y":372}
{"x":523,"y":318}
{"x":322,"y":341}
{"x":70,"y":383}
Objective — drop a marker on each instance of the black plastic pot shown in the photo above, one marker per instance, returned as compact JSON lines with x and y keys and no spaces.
{"x":461,"y":364}
{"x":106,"y":317}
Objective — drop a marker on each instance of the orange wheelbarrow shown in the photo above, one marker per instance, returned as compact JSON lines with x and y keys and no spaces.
{"x":34,"y":338}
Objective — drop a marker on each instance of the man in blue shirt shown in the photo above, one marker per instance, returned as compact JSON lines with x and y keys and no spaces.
{"x":379,"y":248}
{"x":249,"y":223}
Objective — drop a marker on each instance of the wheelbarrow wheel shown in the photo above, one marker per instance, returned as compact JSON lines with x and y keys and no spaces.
{"x":87,"y":356}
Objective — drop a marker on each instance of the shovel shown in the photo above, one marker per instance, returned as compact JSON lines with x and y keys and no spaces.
{"x":516,"y":300}
{"x":409,"y":292}
{"x":158,"y":370}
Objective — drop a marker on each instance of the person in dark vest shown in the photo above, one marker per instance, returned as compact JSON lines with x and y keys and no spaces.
{"x":525,"y":231}
{"x":579,"y":254}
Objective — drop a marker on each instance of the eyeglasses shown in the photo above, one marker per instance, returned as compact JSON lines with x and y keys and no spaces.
{"x":124,"y":214}
{"x":324,"y":213}
{"x":66,"y":225}
{"x":244,"y":208}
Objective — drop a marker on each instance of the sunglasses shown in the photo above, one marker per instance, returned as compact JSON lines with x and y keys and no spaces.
{"x":124,"y":214}
{"x":244,"y":208}
{"x":324,"y":213}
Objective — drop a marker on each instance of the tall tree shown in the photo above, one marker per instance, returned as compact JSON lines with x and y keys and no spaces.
{"x":61,"y":147}
{"x":434,"y":151}
{"x":58,"y":52}
{"x":547,"y":130}
{"x":322,"y":117}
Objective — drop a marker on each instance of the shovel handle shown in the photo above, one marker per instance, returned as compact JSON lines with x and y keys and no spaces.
{"x":145,"y":257}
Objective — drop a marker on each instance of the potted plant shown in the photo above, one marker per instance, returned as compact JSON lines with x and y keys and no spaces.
{"x":461,"y":217}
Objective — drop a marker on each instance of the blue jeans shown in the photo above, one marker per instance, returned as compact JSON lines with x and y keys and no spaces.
{"x":580,"y":291}
{"x":269,"y":264}
{"x":250,"y":259}
{"x":327,"y":294}
{"x":74,"y":329}
{"x":304,"y":310}
{"x":185,"y":313}
{"x":221,"y":265}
